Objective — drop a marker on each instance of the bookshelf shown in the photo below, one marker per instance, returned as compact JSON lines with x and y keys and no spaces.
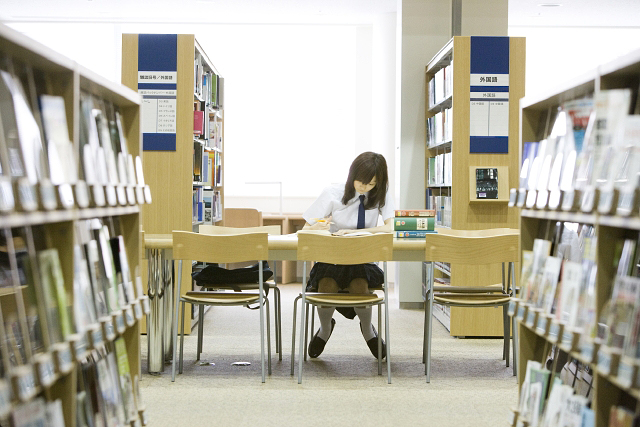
{"x":613,"y":372}
{"x":184,"y":162}
{"x":459,"y":142}
{"x":65,"y":330}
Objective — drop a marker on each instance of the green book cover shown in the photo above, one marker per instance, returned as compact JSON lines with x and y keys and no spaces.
{"x":55,"y":294}
{"x":407,"y":224}
{"x":124,"y":374}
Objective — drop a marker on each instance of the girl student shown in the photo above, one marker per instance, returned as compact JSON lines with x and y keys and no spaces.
{"x":346,"y":209}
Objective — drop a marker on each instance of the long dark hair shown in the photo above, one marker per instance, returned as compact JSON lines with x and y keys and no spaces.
{"x":363,"y":169}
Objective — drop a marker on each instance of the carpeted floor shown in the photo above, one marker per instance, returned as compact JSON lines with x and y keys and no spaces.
{"x":470,"y":385}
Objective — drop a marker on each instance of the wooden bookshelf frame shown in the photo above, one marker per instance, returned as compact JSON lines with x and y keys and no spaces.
{"x":68,"y":79}
{"x":620,"y":73}
{"x":170,"y":173}
{"x":483,"y":214}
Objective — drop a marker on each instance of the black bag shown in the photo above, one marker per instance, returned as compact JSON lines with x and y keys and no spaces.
{"x":213,"y":275}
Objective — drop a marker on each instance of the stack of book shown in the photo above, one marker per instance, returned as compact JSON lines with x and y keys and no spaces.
{"x":414,"y":223}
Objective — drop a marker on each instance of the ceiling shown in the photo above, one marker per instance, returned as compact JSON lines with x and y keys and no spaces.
{"x":581,"y":13}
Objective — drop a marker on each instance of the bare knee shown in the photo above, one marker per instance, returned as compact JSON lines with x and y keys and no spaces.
{"x":359,"y":286}
{"x":328,"y":285}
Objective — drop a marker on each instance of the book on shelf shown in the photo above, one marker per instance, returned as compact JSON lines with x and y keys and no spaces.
{"x":414,"y":234}
{"x":125,"y":381}
{"x":415,"y":212}
{"x":627,"y":180}
{"x":408,"y":224}
{"x":198,"y":122}
{"x":84,"y":308}
{"x":100,"y":234}
{"x":548,"y":287}
{"x":531,"y":277}
{"x":533,"y":392}
{"x":619,"y":416}
{"x":54,"y":295}
{"x":60,"y":153}
{"x":30,"y":414}
{"x":601,"y":143}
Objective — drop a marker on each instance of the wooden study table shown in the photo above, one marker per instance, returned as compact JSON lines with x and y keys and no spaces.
{"x":284,"y":247}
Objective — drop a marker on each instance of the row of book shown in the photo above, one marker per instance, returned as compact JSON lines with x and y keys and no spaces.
{"x":414,"y":223}
{"x":589,"y":162}
{"x":439,"y":170}
{"x":546,"y":400}
{"x":206,"y":205}
{"x":53,"y":319}
{"x":441,"y":204}
{"x":208,"y":86}
{"x":207,"y":128}
{"x":441,"y":85}
{"x":38,"y":166}
{"x":440,"y":128}
{"x":207,"y":166}
{"x":107,"y":395}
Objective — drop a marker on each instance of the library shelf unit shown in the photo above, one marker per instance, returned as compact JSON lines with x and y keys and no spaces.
{"x":612,"y":385}
{"x":455,"y":148}
{"x":55,"y":342}
{"x":187,"y":173}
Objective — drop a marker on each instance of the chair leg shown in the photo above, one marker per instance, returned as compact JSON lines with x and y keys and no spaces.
{"x":379,"y":339}
{"x":424,"y":333}
{"x":268,"y":338}
{"x":278,"y":320}
{"x":387,"y":334}
{"x":306,"y":331}
{"x":313,"y":319}
{"x":200,"y":329}
{"x":515,"y":345}
{"x":181,"y":338}
{"x":293,"y":334}
{"x":507,"y":333}
{"x":175,"y":330}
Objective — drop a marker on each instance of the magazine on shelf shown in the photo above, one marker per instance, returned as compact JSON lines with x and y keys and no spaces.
{"x":555,"y":404}
{"x":567,"y":305}
{"x":54,"y":414}
{"x":84,"y":308}
{"x":125,"y":381}
{"x":34,"y":313}
{"x":529,"y":151}
{"x":533,"y":392}
{"x":541,"y":249}
{"x":104,"y":249}
{"x":542,"y":186}
{"x":626,"y":291}
{"x":59,"y":148}
{"x":534,"y":174}
{"x":610,"y":108}
{"x":32,"y":150}
{"x":109,"y":392}
{"x":627,"y":180}
{"x":54,"y":295}
{"x":573,"y":411}
{"x":547,"y":289}
{"x":30,"y":414}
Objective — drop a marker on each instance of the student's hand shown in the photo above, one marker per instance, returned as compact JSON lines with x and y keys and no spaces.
{"x":342,"y":232}
{"x":321,"y":224}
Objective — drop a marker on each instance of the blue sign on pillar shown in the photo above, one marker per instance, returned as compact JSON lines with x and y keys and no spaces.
{"x":157,"y":83}
{"x":489,"y":95}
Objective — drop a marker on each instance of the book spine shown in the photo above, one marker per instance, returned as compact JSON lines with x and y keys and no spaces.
{"x":413,"y":233}
{"x":415,"y":212}
{"x":407,"y":224}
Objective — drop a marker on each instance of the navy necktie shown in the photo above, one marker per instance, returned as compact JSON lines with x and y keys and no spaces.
{"x":361,"y":212}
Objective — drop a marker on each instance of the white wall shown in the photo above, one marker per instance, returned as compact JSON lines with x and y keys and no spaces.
{"x":555,"y":55}
{"x":301,"y":100}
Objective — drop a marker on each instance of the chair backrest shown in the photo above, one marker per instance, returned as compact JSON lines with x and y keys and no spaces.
{"x":474,"y":247}
{"x":343,"y":249}
{"x":242,"y":217}
{"x":273,"y":230}
{"x":221,"y":248}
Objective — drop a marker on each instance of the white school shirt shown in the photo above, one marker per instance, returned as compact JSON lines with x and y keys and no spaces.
{"x":345,"y":217}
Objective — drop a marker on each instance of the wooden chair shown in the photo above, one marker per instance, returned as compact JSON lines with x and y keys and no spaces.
{"x":221,"y":249}
{"x":345,"y":251}
{"x":272,"y":284}
{"x":470,"y":247}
